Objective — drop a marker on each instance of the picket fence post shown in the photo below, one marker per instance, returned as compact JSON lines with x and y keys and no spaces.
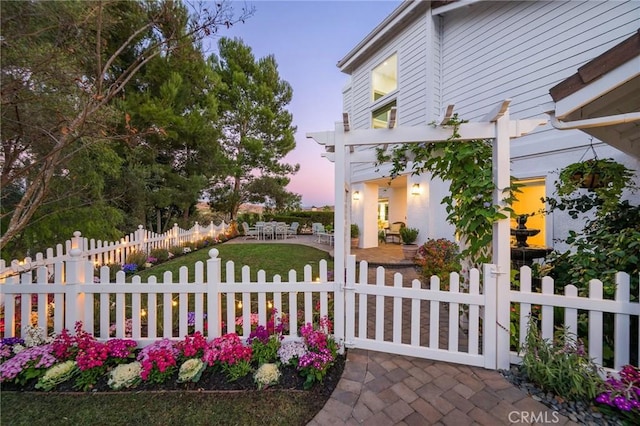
{"x":489,"y":288}
{"x":75,"y":271}
{"x":349,"y":304}
{"x":214,"y":308}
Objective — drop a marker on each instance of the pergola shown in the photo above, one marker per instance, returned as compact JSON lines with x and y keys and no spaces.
{"x":497,"y":126}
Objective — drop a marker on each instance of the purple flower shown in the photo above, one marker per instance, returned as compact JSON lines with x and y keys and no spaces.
{"x":191,"y":318}
{"x":129,"y":268}
{"x":259,"y":333}
{"x":37,"y":357}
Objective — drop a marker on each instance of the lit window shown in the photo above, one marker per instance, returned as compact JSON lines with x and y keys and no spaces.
{"x":380,"y":117}
{"x":384,"y":78}
{"x":529,"y":201}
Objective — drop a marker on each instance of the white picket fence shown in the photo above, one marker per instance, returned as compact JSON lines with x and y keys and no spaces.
{"x":160,"y":308}
{"x":397,"y":318}
{"x":595,"y":306}
{"x":110,"y":252}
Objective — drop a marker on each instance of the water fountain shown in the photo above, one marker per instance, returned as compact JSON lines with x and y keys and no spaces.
{"x":524,"y":254}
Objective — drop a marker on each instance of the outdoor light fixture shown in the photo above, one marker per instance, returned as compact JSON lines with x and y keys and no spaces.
{"x":356,"y":195}
{"x":415,"y":189}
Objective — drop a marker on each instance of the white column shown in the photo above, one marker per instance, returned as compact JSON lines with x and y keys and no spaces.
{"x":418,"y":205}
{"x":369,"y":229}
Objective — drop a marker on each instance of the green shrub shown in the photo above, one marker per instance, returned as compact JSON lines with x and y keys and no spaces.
{"x":561,"y":366}
{"x":139,"y":258}
{"x":176,"y":250}
{"x":408,"y":235}
{"x":159,"y":253}
{"x":438,"y":257}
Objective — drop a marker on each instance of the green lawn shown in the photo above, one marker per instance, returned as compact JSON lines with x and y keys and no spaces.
{"x":272,"y":258}
{"x":183,"y":408}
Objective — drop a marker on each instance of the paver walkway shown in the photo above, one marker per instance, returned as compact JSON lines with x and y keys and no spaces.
{"x":379,"y":388}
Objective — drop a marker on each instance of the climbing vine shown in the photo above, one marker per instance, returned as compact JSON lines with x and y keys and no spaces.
{"x":468,"y":167}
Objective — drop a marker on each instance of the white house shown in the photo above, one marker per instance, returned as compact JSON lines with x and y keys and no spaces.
{"x":474,"y":54}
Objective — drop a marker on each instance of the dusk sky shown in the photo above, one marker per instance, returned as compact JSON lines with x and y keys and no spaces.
{"x":307,"y":39}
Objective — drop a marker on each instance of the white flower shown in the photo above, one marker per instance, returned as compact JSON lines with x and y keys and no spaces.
{"x":191,"y":370}
{"x":57,"y":374}
{"x":125,"y":375}
{"x":35,"y":336}
{"x":17,"y":348}
{"x":290,"y":350}
{"x":267,"y":374}
{"x":186,"y":250}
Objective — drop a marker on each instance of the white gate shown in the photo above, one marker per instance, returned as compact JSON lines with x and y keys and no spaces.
{"x":444,"y":325}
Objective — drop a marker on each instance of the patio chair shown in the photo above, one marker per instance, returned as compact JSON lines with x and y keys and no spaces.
{"x":282,"y":230}
{"x":249,"y":232}
{"x":268,"y":231}
{"x":317,"y":228}
{"x":293,"y":230}
{"x":394,"y":231}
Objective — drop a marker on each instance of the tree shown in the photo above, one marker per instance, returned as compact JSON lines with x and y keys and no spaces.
{"x":64,"y":63}
{"x":271,"y":191}
{"x":255,"y":127}
{"x":169,"y":169}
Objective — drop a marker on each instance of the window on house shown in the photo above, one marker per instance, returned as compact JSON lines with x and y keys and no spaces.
{"x":384,"y":78}
{"x":529,"y":201}
{"x":380,"y":117}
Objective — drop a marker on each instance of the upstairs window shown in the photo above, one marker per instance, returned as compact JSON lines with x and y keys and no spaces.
{"x":380,"y":117}
{"x":384,"y":78}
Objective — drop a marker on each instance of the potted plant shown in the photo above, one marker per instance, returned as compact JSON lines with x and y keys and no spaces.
{"x":409,"y":246}
{"x":605,"y":179}
{"x":355,"y":235}
{"x":593,"y":174}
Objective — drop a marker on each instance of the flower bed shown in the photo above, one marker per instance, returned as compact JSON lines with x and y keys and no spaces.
{"x":79,"y":362}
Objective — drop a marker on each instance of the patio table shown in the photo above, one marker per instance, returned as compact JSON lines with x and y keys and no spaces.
{"x":325,"y":237}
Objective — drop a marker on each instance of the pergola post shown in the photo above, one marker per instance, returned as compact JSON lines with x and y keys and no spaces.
{"x":501,"y":236}
{"x":340,"y":216}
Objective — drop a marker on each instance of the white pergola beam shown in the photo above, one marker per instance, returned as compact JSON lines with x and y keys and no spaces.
{"x":498,"y":111}
{"x":417,"y":134}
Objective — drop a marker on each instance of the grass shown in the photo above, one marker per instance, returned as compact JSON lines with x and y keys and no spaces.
{"x":272,"y":258}
{"x":183,"y":408}
{"x":168,"y":408}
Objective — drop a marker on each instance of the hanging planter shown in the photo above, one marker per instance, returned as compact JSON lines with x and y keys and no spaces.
{"x":604,"y":181}
{"x":588,"y":175}
{"x":592,"y":175}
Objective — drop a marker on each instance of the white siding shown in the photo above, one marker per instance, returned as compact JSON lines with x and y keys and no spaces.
{"x":519,"y":50}
{"x":435,"y":76}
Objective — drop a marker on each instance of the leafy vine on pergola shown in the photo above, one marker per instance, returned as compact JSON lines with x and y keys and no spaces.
{"x":468,"y":167}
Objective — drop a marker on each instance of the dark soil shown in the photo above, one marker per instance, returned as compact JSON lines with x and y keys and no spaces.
{"x":213,"y":381}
